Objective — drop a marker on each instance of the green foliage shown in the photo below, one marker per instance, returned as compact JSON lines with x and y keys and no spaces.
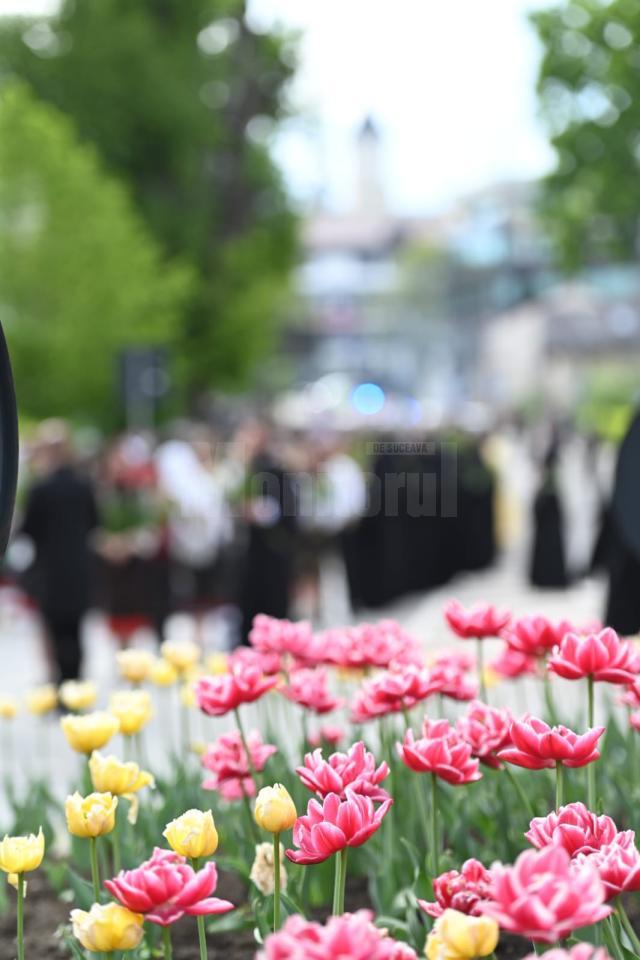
{"x":589,"y":85}
{"x":80,"y":275}
{"x":179,"y":98}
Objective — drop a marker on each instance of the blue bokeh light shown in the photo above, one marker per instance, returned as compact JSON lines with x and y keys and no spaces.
{"x":368,"y":398}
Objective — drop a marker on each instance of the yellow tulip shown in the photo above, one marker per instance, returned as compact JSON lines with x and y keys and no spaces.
{"x":8,"y":707}
{"x":133,"y":710}
{"x":42,"y":700}
{"x":110,"y":775}
{"x":181,"y":654}
{"x":193,"y":834}
{"x":456,"y":936}
{"x":90,"y":816}
{"x":163,"y":673}
{"x":275,"y":811}
{"x":89,"y":731}
{"x":217,"y":663}
{"x":21,"y":854}
{"x":107,"y":927}
{"x":78,"y":694}
{"x":187,"y":695}
{"x":491,"y":678}
{"x":135,"y":665}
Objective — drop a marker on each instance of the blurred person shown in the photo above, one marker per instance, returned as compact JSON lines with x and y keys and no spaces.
{"x":60,"y":515}
{"x":548,"y":566}
{"x":622,"y":547}
{"x":269,"y":509}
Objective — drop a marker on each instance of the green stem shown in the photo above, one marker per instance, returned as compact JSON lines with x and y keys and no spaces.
{"x":245,"y":745}
{"x":115,"y":848}
{"x":276,"y":881}
{"x":433,"y":829}
{"x":20,"y":917}
{"x":167,"y":951}
{"x":483,"y":686}
{"x":95,"y":872}
{"x":559,"y":785}
{"x":202,"y":933}
{"x":626,"y":923}
{"x":591,"y":770}
{"x":253,"y":827}
{"x":340,"y":882}
{"x":513,"y":779}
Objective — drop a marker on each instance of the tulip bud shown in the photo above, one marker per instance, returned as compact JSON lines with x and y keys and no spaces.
{"x":107,"y":927}
{"x":90,"y":731}
{"x":181,"y":654}
{"x":163,"y":673}
{"x":132,"y":709}
{"x":21,"y":854}
{"x":78,"y":694}
{"x":90,"y":816}
{"x":275,"y":810}
{"x":135,"y":665}
{"x":193,"y":835}
{"x":456,"y":936}
{"x":42,"y":699}
{"x":110,"y":775}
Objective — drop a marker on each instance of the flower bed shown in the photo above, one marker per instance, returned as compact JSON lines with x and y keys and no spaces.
{"x":429,"y":819}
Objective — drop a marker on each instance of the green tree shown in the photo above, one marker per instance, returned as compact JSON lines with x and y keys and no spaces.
{"x":80,"y":274}
{"x":181,"y":98}
{"x":589,"y":89}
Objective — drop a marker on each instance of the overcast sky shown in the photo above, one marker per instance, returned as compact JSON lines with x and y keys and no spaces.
{"x":449,"y":82}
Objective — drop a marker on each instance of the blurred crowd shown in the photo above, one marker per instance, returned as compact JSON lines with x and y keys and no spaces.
{"x":309,"y":525}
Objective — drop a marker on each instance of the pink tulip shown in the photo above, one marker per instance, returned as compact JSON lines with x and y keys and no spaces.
{"x":463,"y":891}
{"x":369,"y":645}
{"x":440,"y":750}
{"x":603,"y":656}
{"x":243,"y":657}
{"x":581,"y":951}
{"x":218,"y":695}
{"x":478,"y":622}
{"x":573,"y":827}
{"x":329,"y":733}
{"x":334,"y":825}
{"x":447,"y":679}
{"x":308,"y":687}
{"x":512,"y":663}
{"x":634,"y":719}
{"x":391,"y":692}
{"x":543,"y":897}
{"x":269,"y":635}
{"x":486,"y":730}
{"x":537,"y":745}
{"x":164,"y":888}
{"x":536,"y":636}
{"x":617,"y":863}
{"x":227,"y":761}
{"x":351,"y":936}
{"x":355,"y":770}
{"x":631,"y":695}
{"x":459,"y":660}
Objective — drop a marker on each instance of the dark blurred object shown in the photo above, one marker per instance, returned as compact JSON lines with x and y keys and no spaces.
{"x":548,"y":564}
{"x":60,"y":514}
{"x":144,"y":382}
{"x":8,"y":445}
{"x":623,"y":538}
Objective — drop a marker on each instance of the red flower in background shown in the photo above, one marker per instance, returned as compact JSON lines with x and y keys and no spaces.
{"x":544,"y":896}
{"x":369,"y":645}
{"x":537,"y":745}
{"x":440,"y":750}
{"x":329,"y":733}
{"x":355,"y":770}
{"x":512,"y":663}
{"x":486,"y":730}
{"x":391,"y":692}
{"x":573,"y":827}
{"x":227,"y":760}
{"x":351,"y":936}
{"x":244,"y":684}
{"x":581,"y":951}
{"x":463,"y":890}
{"x":334,"y":825}
{"x":271,"y":635}
{"x":478,"y":622}
{"x":603,"y":656}
{"x":536,"y":635}
{"x":449,"y":680}
{"x":617,"y":863}
{"x":309,"y":687}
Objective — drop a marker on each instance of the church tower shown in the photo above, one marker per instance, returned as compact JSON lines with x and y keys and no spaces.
{"x":369,"y":192}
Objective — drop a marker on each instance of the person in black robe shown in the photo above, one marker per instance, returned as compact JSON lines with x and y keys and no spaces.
{"x":623,"y":538}
{"x":60,"y":515}
{"x":548,"y":567}
{"x":270,"y":511}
